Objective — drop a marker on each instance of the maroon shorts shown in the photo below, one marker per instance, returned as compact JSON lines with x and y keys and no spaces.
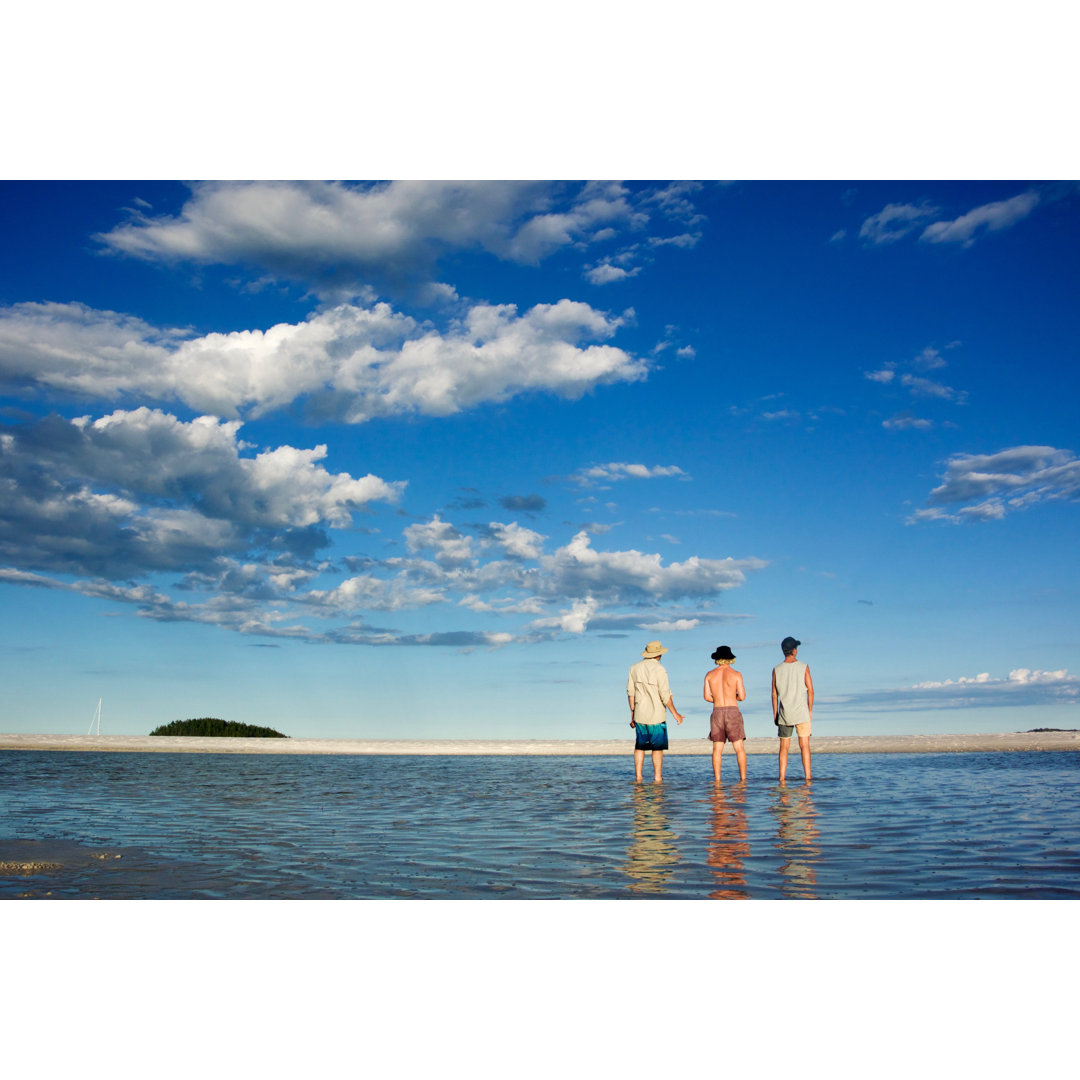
{"x":726,"y":724}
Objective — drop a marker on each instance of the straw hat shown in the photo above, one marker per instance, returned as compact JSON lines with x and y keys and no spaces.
{"x":654,"y":648}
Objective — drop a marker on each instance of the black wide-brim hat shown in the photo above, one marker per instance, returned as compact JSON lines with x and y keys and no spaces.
{"x":723,"y":653}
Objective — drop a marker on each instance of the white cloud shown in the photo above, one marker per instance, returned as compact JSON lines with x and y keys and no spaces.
{"x":683,"y":240}
{"x":1022,"y":688}
{"x":895,"y":222}
{"x":992,"y":217}
{"x":574,"y":621}
{"x":906,"y":422}
{"x":1060,"y":683}
{"x":997,"y":484}
{"x":518,"y":542}
{"x":604,"y":273}
{"x":451,"y":547}
{"x":922,"y":387}
{"x":930,"y":359}
{"x":620,"y":470}
{"x":137,"y":491}
{"x":613,"y":576}
{"x":368,"y":593}
{"x":917,"y":385}
{"x":671,"y":626}
{"x":336,"y":234}
{"x":349,"y":362}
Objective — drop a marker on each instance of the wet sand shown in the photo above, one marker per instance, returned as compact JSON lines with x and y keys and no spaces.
{"x":822,"y":744}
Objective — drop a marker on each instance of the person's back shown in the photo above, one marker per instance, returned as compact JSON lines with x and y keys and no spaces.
{"x":648,"y":685}
{"x":726,"y":686}
{"x":791,"y":693}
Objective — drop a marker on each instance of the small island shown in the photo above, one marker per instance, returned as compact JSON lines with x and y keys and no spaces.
{"x":214,"y":728}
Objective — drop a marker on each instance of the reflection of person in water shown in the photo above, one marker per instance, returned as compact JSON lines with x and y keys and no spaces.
{"x":796,"y":839}
{"x":652,"y":855}
{"x":728,"y":846}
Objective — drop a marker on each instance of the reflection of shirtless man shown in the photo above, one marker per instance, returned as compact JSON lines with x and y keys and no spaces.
{"x":724,"y":688}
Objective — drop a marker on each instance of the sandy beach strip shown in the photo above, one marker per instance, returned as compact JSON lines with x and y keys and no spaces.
{"x":822,"y":744}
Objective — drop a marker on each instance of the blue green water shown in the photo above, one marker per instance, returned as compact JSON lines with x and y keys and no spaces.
{"x":229,"y":826}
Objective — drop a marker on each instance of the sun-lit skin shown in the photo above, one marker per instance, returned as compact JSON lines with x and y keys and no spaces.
{"x":724,"y":686}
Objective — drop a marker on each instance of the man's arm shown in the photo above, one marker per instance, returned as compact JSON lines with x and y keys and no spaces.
{"x":708,"y":689}
{"x":630,"y":699}
{"x":665,"y":692}
{"x":740,"y":689}
{"x":775,"y":703}
{"x":674,"y":712}
{"x":809,"y":693}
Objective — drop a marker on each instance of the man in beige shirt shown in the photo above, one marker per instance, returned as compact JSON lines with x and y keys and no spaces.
{"x":650,"y":697}
{"x":724,"y":688}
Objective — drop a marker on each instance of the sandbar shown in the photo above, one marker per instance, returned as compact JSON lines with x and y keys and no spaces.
{"x":822,"y":744}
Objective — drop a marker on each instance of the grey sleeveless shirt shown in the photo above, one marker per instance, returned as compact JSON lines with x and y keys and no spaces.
{"x":791,"y":693}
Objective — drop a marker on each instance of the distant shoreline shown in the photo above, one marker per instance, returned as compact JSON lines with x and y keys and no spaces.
{"x":822,"y":744}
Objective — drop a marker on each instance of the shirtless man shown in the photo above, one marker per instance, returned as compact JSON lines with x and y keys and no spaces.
{"x":724,"y":688}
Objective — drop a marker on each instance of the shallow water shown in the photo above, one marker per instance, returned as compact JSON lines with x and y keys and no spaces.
{"x":209,"y":826}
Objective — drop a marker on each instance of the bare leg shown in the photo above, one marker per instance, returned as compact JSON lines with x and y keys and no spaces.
{"x":639,"y":762}
{"x":657,"y":764}
{"x":804,"y":749}
{"x":717,"y":751}
{"x":784,"y":744}
{"x":740,"y":754}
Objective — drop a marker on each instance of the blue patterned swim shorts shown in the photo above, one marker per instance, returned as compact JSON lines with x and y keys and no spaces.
{"x":651,"y":736}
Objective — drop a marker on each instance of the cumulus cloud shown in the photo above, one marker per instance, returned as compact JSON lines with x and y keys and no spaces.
{"x":996,"y":484}
{"x":570,"y":591}
{"x":621,"y":470}
{"x":992,"y":218}
{"x":578,"y":570}
{"x":337,"y":235}
{"x":451,"y":548}
{"x":605,"y":273}
{"x":573,"y":621}
{"x":347,"y":362}
{"x":516,"y":541}
{"x":138,"y":491}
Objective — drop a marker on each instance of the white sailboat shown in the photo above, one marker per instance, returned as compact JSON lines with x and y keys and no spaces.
{"x":96,"y":718}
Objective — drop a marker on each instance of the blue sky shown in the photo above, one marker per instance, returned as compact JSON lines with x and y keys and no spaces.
{"x":422,"y":459}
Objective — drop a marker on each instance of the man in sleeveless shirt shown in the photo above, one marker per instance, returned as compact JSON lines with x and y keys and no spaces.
{"x":724,"y":688}
{"x":650,"y":697}
{"x":793,"y":704}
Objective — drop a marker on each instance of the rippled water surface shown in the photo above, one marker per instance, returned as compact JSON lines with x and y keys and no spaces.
{"x":232,"y":826}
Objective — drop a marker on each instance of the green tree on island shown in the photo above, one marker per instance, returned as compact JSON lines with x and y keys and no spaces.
{"x":211,"y":726}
